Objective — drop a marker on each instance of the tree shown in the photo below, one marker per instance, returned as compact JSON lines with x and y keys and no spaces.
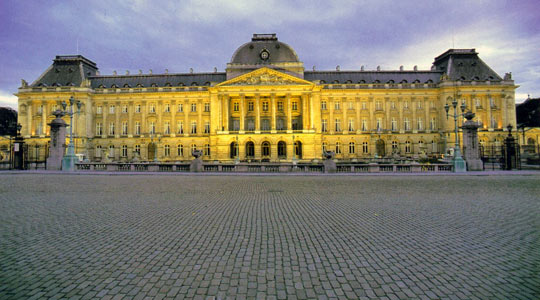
{"x":8,"y":121}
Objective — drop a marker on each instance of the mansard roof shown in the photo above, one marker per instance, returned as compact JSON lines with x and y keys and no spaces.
{"x":157,"y":80}
{"x":464,"y":65}
{"x":344,"y":77}
{"x":67,"y":70}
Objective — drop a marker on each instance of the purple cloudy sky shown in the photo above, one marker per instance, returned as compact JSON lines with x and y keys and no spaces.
{"x":178,"y":35}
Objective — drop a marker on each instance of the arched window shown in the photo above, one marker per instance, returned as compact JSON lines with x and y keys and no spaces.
{"x":365,"y":147}
{"x":351,"y":148}
{"x":101,"y":86}
{"x":282,"y":149}
{"x":395,"y":147}
{"x":265,"y":149}
{"x":114,"y":86}
{"x":298,"y":149}
{"x":233,"y":150}
{"x":180,"y":150}
{"x":250,"y":149}
{"x":98,"y":151}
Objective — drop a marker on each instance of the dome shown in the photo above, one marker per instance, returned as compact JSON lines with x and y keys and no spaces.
{"x":264,"y":49}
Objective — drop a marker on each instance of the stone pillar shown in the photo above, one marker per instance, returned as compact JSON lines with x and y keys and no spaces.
{"x":58,"y":139}
{"x":273,"y":104}
{"x":242,"y":113}
{"x":289,"y":113}
{"x":510,"y":151}
{"x":471,"y":147}
{"x":258,"y":114}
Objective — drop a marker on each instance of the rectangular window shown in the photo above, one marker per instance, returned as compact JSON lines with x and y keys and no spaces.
{"x":491,"y":102}
{"x":124,"y":151}
{"x":250,"y":106}
{"x":351,"y":148}
{"x":407,"y":124}
{"x":152,"y":108}
{"x":180,"y":127}
{"x":111,"y":128}
{"x":324,"y":124}
{"x":193,"y":127}
{"x":364,"y":125}
{"x":138,"y":108}
{"x":351,"y":105}
{"x":432,"y":124}
{"x":393,"y":105}
{"x":280,"y":106}
{"x":379,"y":124}
{"x":193,"y":107}
{"x":167,"y":150}
{"x":39,"y":129}
{"x":207,"y":107}
{"x":180,"y":107}
{"x":124,"y":128}
{"x":40,"y":109}
{"x":138,"y":149}
{"x":406,"y":105}
{"x":338,"y":148}
{"x":111,"y":109}
{"x":336,"y":105}
{"x":477,"y":102}
{"x":378,"y":105}
{"x":323,"y":105}
{"x":265,"y":106}
{"x":152,"y":128}
{"x":394,"y":124}
{"x":420,"y":124}
{"x":419,"y":103}
{"x":338,"y":125}
{"x":167,"y":108}
{"x":207,"y":127}
{"x":137,"y":127}
{"x":351,"y":124}
{"x":99,"y":109}
{"x":124,"y":108}
{"x":294,"y":105}
{"x":364,"y":105}
{"x":167,"y":129}
{"x":365,"y":147}
{"x":236,"y":106}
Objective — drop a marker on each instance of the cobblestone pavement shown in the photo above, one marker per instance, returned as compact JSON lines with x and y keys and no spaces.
{"x":269,"y":237}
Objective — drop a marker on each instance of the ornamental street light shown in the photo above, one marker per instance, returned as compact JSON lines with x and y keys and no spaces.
{"x":68,"y":162}
{"x":457,"y":161}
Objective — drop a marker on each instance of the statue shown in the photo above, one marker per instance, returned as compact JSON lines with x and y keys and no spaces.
{"x":196,"y":164}
{"x":24,"y":83}
{"x":329,"y":163}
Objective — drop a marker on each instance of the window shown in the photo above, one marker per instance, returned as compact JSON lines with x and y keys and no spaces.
{"x":206,"y":127}
{"x":493,"y":122}
{"x":124,"y":127}
{"x":338,"y":125}
{"x":40,"y":109}
{"x":294,"y":105}
{"x":193,"y":107}
{"x":336,"y":105}
{"x":39,"y":129}
{"x":408,"y":147}
{"x":250,"y":106}
{"x":124,"y":151}
{"x":167,"y":150}
{"x":206,"y":150}
{"x":167,"y":127}
{"x":111,"y":151}
{"x":434,"y":147}
{"x":393,"y":124}
{"x":365,"y":147}
{"x":432,"y":124}
{"x":364,"y":105}
{"x":193,"y":127}
{"x":419,"y":104}
{"x":351,"y":125}
{"x":282,"y":149}
{"x":280,"y":106}
{"x":167,"y":108}
{"x":180,"y":107}
{"x":364,"y":125}
{"x":137,"y":127}
{"x":491,"y":102}
{"x":379,"y":123}
{"x":180,"y":150}
{"x":407,"y":124}
{"x":265,"y":124}
{"x":250,"y":149}
{"x":138,"y":108}
{"x":351,"y":148}
{"x":236,"y":106}
{"x":265,"y":149}
{"x":111,"y":128}
{"x":395,"y":147}
{"x":124,"y":108}
{"x":477,"y":102}
{"x":338,"y":148}
{"x":207,"y":107}
{"x":393,"y":105}
{"x":406,"y":105}
{"x":420,"y":146}
{"x":265,"y":106}
{"x":111,"y":109}
{"x":323,"y":105}
{"x":55,"y":108}
{"x":324,"y":125}
{"x":98,"y":150}
{"x":152,"y":127}
{"x":180,"y":127}
{"x":193,"y":147}
{"x":378,"y":105}
{"x":351,"y":105}
{"x":138,"y":149}
{"x":420,"y":124}
{"x":152,"y":108}
{"x":324,"y":146}
{"x":99,"y":109}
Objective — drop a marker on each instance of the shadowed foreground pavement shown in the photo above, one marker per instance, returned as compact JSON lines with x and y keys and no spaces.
{"x":291,"y":237}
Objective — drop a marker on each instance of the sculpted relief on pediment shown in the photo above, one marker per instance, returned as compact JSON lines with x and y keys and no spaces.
{"x":264,"y":79}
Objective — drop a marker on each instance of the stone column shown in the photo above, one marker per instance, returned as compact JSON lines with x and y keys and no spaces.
{"x":29,"y":118}
{"x":200,"y":125}
{"x":289,"y":113}
{"x":242,"y":113}
{"x":305,"y":112}
{"x":273,"y":104}
{"x":345,"y":123}
{"x":44,"y":119}
{"x":331,"y":121}
{"x":471,"y":149}
{"x":226,"y":106}
{"x":187,"y":126}
{"x":173,"y":118}
{"x":258,"y":114}
{"x":58,"y":139}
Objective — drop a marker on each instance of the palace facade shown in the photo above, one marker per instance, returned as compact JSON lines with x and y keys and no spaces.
{"x":266,"y":107}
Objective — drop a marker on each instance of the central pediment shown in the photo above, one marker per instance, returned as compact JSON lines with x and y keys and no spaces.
{"x":265,"y":76}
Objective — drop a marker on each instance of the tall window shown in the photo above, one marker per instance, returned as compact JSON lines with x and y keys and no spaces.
{"x":167,"y":107}
{"x":152,"y":127}
{"x":364,"y":125}
{"x":99,"y":109}
{"x":477,"y":102}
{"x":250,"y":106}
{"x":351,"y":125}
{"x":432,"y":124}
{"x":138,"y":108}
{"x":265,"y":106}
{"x":393,"y":105}
{"x":236,"y":106}
{"x":124,"y":108}
{"x":394,"y":124}
{"x":206,"y":150}
{"x":180,"y":127}
{"x":137,"y":127}
{"x":365,"y":147}
{"x":193,"y":147}
{"x":167,"y":129}
{"x":364,"y":105}
{"x":265,"y":149}
{"x":99,"y":129}
{"x":378,"y":105}
{"x":338,"y":148}
{"x":193,"y":127}
{"x":125,"y":128}
{"x":193,"y":107}
{"x":111,"y":109}
{"x":39,"y":129}
{"x":491,"y":102}
{"x":282,"y":149}
{"x":379,"y":123}
{"x":124,"y":151}
{"x":207,"y":127}
{"x":407,"y":124}
{"x":207,"y":107}
{"x":138,"y":149}
{"x":152,"y":108}
{"x":395,"y":146}
{"x":406,"y":105}
{"x":338,"y":125}
{"x":420,"y":145}
{"x":419,"y":104}
{"x":167,"y":150}
{"x":351,"y":105}
{"x":294,"y":105}
{"x":180,"y":107}
{"x":280,"y":106}
{"x":324,"y":146}
{"x":407,"y":146}
{"x":180,"y":150}
{"x":351,"y":148}
{"x":111,"y":128}
{"x":324,"y":125}
{"x":434,"y":147}
{"x":420,"y":124}
{"x":323,"y":105}
{"x":98,"y":150}
{"x":336,"y":105}
{"x":111,"y":151}
{"x":40,"y":109}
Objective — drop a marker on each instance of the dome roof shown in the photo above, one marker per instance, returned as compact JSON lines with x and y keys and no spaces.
{"x":264,"y":49}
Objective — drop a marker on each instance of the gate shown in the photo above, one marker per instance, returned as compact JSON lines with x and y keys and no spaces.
{"x":501,"y":157}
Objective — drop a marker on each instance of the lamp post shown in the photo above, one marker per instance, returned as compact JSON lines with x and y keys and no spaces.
{"x":457,"y":161}
{"x":68,"y":162}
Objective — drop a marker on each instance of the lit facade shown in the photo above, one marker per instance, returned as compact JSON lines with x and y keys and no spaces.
{"x":267,"y":107}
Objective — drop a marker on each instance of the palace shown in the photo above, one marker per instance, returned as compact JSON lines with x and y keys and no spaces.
{"x":267,"y":107}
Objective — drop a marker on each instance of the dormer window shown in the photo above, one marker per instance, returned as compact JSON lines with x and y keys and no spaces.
{"x":335,"y":81}
{"x":153,"y":85}
{"x":429,"y":81}
{"x":416,"y":81}
{"x":168,"y":84}
{"x":362,"y":81}
{"x":101,"y":86}
{"x":181,"y":84}
{"x":126,"y":85}
{"x":139,"y":85}
{"x":194,"y":84}
{"x":377,"y":81}
{"x":403,"y":81}
{"x":114,"y":86}
{"x":390,"y":81}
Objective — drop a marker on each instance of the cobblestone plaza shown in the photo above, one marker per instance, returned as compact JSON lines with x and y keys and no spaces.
{"x":269,"y":237}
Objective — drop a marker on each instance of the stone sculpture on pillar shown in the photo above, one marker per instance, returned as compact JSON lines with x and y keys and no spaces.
{"x":471,"y":147}
{"x":196,"y":164}
{"x":58,"y":142}
{"x":329,"y":163}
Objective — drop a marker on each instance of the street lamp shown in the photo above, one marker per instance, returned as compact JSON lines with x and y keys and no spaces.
{"x":457,"y":161}
{"x":68,"y":162}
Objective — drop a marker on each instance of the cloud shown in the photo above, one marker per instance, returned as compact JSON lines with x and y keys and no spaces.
{"x":7,"y":99}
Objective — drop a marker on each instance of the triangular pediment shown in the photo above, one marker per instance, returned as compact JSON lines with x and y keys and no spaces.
{"x":265,"y":76}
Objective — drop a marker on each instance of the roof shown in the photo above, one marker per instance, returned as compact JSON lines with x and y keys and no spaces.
{"x":250,"y":53}
{"x":67,"y":70}
{"x":373,"y":76}
{"x":464,"y":65}
{"x":158,"y":80}
{"x":528,"y":113}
